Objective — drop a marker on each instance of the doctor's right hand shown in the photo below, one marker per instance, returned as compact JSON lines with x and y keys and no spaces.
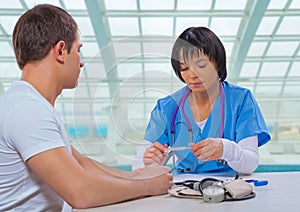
{"x":155,"y":154}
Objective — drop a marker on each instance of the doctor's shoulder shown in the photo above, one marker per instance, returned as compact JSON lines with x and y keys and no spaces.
{"x":235,"y":91}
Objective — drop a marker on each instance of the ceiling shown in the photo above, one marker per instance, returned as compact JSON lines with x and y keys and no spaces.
{"x":127,"y":45}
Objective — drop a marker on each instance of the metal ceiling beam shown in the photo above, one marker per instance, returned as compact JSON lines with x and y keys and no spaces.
{"x":19,"y":12}
{"x":195,"y":13}
{"x":98,"y":59}
{"x":95,"y":10}
{"x":161,"y":13}
{"x":139,"y":80}
{"x":165,"y":38}
{"x":255,"y":11}
{"x":173,"y":13}
{"x":262,"y":99}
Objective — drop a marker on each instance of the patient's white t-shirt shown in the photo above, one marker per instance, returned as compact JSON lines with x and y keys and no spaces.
{"x":29,"y":125}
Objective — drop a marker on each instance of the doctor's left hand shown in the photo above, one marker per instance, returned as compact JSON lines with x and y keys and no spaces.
{"x":208,"y":149}
{"x":155,"y":154}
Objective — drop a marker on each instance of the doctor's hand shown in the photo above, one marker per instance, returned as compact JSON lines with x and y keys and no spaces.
{"x":208,"y":149}
{"x":155,"y":154}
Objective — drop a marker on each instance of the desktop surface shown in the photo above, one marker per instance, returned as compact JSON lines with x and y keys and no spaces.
{"x":281,"y":194}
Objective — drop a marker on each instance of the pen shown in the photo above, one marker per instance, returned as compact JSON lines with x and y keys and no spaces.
{"x":258,"y":182}
{"x":178,"y":148}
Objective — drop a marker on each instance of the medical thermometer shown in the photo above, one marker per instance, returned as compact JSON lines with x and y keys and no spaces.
{"x":178,"y":148}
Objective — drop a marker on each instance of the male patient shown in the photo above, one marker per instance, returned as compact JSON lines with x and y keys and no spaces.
{"x":39,"y":168}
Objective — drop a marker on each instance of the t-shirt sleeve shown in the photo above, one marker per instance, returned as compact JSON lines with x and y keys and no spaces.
{"x":32,"y":128}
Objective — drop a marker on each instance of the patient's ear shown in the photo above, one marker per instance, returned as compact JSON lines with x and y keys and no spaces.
{"x":59,"y":50}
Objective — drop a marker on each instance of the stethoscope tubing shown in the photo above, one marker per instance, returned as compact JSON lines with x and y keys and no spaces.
{"x":180,"y":106}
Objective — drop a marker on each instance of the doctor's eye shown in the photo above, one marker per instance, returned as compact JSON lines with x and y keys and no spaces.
{"x":202,"y":65}
{"x":184,"y":69}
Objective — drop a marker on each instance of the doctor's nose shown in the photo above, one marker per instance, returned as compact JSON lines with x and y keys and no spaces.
{"x":193,"y":73}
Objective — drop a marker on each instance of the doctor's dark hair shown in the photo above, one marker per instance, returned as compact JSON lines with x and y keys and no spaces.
{"x":40,"y":29}
{"x":195,"y":40}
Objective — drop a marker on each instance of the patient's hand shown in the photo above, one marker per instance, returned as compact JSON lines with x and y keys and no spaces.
{"x":158,"y":179}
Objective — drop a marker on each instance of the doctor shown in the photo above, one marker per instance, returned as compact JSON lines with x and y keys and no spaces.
{"x":220,"y":123}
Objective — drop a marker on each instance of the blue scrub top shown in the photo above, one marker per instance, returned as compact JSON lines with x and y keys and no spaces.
{"x":243,"y":119}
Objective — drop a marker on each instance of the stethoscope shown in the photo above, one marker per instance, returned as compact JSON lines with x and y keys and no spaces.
{"x":218,"y":184}
{"x":217,"y":191}
{"x":181,"y":106}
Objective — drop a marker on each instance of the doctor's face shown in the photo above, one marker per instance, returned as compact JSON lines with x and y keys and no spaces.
{"x":199,"y":73}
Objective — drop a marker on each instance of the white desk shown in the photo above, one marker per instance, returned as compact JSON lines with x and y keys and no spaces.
{"x":281,"y":194}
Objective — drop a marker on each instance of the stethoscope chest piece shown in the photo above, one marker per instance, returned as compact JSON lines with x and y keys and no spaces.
{"x":214,"y":193}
